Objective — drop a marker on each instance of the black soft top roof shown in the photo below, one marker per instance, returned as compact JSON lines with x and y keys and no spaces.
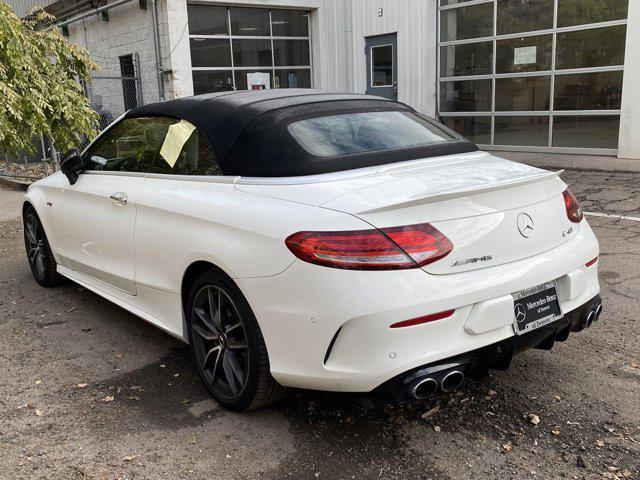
{"x":248,"y":129}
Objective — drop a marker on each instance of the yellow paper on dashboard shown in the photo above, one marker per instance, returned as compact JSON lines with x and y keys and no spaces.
{"x":177,"y":136}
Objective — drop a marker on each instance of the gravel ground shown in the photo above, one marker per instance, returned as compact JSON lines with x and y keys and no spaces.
{"x":89,"y":391}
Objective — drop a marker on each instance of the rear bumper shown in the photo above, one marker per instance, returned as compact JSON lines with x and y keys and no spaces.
{"x":328,"y":329}
{"x":497,"y":356}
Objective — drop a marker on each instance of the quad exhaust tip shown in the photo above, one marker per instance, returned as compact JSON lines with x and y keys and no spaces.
{"x":451,"y":381}
{"x":598,"y":311}
{"x":428,"y":386}
{"x":424,"y":388}
{"x":590,"y":318}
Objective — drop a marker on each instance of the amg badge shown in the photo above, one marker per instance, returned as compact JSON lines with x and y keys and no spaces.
{"x":466,"y":261}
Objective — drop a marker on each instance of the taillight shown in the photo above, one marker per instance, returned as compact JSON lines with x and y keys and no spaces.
{"x":591,"y":263}
{"x":424,"y":243}
{"x":574,"y":212}
{"x":385,"y":249}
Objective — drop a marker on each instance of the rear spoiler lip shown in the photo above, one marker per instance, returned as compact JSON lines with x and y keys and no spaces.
{"x":439,"y":197}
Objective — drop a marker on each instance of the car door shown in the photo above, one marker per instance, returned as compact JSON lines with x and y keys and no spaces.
{"x":96,"y":217}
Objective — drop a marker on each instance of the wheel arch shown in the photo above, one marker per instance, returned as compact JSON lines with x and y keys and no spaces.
{"x":46,"y":219}
{"x":192,"y":272}
{"x":29,"y":204}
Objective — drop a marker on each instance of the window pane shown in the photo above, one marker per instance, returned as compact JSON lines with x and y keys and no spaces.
{"x":196,"y":158}
{"x":517,"y":16}
{"x":523,"y":94}
{"x":525,"y":131}
{"x":212,"y":81}
{"x":579,"y":12}
{"x":382,"y":66}
{"x":588,"y":91}
{"x":466,"y":22}
{"x":366,"y":132}
{"x":470,"y":59}
{"x":525,"y":54}
{"x":586,"y":132}
{"x":291,"y":52}
{"x":241,"y":78}
{"x":250,"y":21}
{"x":465,"y":96}
{"x":290,"y":23}
{"x":207,"y":20}
{"x":293,"y":79}
{"x":210,"y":52}
{"x":474,"y":129}
{"x":131,"y":146}
{"x":252,"y":53}
{"x":596,"y":47}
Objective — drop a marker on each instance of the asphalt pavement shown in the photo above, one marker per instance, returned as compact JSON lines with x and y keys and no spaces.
{"x":89,"y":391}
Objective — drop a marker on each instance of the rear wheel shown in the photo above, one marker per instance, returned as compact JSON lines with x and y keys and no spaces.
{"x":227,"y":345}
{"x":43,"y":264}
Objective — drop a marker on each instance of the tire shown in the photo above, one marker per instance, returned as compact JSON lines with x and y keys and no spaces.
{"x":41,"y":260}
{"x":227,"y":345}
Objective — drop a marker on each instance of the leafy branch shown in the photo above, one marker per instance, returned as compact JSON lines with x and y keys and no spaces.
{"x":40,"y":90}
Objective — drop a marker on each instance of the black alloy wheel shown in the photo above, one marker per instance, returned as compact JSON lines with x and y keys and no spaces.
{"x":41,"y":260}
{"x":220,"y":341}
{"x":35,"y":245}
{"x":227,"y":345}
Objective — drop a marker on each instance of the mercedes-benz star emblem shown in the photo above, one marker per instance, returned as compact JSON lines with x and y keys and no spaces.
{"x":521,"y":313}
{"x":525,"y":225}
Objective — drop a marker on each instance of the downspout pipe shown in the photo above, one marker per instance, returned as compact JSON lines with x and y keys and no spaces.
{"x":156,"y":43}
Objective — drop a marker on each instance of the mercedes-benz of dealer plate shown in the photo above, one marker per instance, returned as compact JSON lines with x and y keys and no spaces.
{"x":535,"y":307}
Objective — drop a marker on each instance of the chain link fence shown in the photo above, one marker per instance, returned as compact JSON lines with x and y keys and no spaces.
{"x":109,"y":96}
{"x":30,"y":166}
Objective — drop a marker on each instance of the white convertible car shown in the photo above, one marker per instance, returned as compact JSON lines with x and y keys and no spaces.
{"x":296,"y":238}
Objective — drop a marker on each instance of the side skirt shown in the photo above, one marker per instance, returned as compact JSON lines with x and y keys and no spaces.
{"x":125,"y":301}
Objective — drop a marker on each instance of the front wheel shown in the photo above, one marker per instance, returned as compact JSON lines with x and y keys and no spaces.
{"x":43,"y":264}
{"x":227,"y":345}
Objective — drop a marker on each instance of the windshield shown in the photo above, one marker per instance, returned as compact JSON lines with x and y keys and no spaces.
{"x":353,"y":133}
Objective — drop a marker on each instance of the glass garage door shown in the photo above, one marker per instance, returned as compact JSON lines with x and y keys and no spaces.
{"x":248,"y":48}
{"x":535,"y":75}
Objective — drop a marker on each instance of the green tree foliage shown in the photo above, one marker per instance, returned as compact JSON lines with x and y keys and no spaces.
{"x":39,"y":84}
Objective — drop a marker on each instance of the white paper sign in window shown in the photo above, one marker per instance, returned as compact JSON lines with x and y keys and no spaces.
{"x":525,"y":55}
{"x":258,"y":81}
{"x":177,"y":136}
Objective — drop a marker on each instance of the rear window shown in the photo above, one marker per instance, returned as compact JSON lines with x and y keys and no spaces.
{"x":353,"y":133}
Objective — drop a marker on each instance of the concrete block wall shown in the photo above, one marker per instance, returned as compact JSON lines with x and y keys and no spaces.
{"x":128,"y":31}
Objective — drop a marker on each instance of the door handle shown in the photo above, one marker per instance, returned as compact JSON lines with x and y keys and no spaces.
{"x":119,"y":198}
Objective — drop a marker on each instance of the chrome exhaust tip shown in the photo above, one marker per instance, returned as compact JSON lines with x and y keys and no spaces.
{"x":451,"y":381}
{"x":590,"y":318}
{"x":598,"y":312}
{"x":424,"y":388}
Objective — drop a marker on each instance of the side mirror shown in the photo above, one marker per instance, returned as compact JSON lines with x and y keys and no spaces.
{"x":71,"y":165}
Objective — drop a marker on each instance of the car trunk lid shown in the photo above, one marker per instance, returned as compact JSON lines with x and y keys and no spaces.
{"x":494,"y":211}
